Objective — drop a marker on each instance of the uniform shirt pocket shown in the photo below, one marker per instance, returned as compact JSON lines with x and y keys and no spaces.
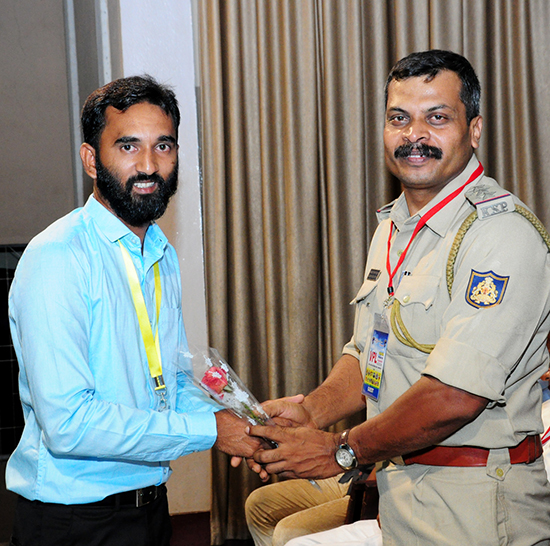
{"x":364,"y":315}
{"x":417,"y":296}
{"x":418,"y":289}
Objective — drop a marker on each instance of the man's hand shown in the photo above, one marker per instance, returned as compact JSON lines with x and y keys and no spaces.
{"x":232,"y":437}
{"x":287,"y":412}
{"x":253,"y":465}
{"x":301,"y":453}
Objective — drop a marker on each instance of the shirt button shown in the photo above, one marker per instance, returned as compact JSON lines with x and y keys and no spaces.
{"x":406,"y":299}
{"x":500,"y":472}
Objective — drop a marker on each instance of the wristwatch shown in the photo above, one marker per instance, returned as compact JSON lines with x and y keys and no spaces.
{"x":345,"y":456}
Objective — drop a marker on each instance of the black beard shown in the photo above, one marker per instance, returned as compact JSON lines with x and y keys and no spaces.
{"x":406,"y":150}
{"x":135,"y":210}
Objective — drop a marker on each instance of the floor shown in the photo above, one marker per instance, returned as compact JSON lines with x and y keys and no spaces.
{"x":194,"y":530}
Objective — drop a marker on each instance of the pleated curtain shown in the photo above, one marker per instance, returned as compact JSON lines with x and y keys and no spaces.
{"x":291,"y":117}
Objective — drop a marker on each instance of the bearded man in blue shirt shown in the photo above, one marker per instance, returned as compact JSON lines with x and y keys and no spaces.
{"x":96,"y":322}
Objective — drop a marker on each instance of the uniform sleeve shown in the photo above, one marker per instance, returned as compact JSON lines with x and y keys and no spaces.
{"x":490,"y":329}
{"x":51,"y":312}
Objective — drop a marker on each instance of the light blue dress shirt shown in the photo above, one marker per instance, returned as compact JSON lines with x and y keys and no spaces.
{"x":92,"y":425}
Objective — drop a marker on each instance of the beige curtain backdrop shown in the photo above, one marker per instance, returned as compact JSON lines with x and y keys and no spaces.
{"x":292,"y":112}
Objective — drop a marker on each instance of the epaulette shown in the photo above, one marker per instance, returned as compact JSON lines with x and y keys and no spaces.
{"x":490,"y":200}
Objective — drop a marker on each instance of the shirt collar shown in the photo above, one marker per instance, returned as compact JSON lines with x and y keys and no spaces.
{"x":398,"y":210}
{"x":114,"y":229}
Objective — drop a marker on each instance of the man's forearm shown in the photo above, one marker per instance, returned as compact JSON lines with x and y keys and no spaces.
{"x":339,"y":395}
{"x":427,"y":413}
{"x":424,"y":415}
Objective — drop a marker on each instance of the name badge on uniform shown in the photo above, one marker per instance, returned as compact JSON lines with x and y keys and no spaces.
{"x":377,"y":357}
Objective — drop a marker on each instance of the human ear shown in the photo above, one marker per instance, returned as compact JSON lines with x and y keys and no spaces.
{"x":476,"y":126}
{"x":87,"y":155}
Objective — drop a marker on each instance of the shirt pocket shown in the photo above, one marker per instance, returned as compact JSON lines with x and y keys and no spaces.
{"x":416,"y":295}
{"x":364,"y":314}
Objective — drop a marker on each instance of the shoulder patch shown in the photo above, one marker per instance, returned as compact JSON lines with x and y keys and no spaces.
{"x":485,"y":289}
{"x":490,"y":201}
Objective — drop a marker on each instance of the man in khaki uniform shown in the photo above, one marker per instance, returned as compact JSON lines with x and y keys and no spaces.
{"x":448,"y":365}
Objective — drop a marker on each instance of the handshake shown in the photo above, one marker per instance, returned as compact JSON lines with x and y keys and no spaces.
{"x":289,"y":444}
{"x":278,"y":437}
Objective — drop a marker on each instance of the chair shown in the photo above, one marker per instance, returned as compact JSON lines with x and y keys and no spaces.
{"x":363,"y":501}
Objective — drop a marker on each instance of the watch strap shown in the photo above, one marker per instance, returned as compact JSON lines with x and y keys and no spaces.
{"x":343,"y":446}
{"x":344,"y":437}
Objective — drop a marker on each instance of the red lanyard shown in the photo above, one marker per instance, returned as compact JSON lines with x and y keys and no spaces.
{"x":421,"y":223}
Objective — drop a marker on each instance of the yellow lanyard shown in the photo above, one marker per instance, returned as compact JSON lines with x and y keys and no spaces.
{"x":152,"y":346}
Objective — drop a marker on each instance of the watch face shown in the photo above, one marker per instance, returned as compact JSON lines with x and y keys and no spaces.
{"x":345,"y":459}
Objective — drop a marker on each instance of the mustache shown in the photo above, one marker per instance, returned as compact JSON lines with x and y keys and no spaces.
{"x":405,"y":150}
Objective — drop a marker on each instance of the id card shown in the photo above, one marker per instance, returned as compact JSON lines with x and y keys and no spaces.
{"x":377,"y":357}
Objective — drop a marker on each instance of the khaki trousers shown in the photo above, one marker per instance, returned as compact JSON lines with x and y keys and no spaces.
{"x":284,"y":510}
{"x":500,"y":504}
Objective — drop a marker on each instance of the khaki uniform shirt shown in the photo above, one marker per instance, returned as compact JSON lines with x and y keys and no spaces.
{"x":494,"y":349}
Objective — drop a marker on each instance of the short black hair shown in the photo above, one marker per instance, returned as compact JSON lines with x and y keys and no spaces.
{"x":430,"y":63}
{"x":121,"y":94}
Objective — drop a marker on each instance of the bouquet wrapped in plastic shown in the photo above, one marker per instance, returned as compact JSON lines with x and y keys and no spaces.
{"x":212,"y":374}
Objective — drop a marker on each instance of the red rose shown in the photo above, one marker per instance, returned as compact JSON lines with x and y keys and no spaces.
{"x":215,"y":379}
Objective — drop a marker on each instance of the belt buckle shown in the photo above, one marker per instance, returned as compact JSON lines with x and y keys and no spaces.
{"x":145,"y":496}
